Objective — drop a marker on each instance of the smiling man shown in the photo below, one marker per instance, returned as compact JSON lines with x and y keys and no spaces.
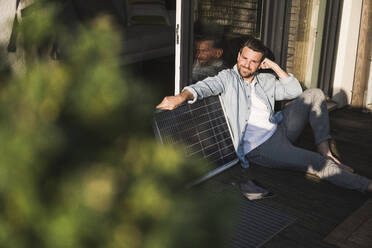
{"x":260,"y":134}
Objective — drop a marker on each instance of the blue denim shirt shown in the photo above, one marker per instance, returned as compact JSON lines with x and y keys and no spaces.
{"x":236,"y":100}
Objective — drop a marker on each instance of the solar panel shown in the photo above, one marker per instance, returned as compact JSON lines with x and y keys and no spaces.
{"x":202,"y":128}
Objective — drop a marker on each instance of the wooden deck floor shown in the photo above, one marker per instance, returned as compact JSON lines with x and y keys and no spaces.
{"x":318,"y":206}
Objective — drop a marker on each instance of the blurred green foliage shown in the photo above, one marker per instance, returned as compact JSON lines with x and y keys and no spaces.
{"x":78,"y":164}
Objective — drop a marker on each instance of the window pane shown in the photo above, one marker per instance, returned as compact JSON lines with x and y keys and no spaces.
{"x":220,"y":28}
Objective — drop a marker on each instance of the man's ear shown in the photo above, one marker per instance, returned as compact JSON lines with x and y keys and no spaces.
{"x":219,"y":52}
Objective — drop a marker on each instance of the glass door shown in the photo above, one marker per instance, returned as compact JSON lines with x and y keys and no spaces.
{"x":209,"y":34}
{"x":302,"y":36}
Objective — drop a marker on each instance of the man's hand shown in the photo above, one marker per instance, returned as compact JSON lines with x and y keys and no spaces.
{"x":269,"y":64}
{"x":172,"y":102}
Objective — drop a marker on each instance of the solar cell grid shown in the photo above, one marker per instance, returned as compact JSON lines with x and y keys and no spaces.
{"x":201,"y":127}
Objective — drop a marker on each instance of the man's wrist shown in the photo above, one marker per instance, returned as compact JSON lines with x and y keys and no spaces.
{"x":182,"y":97}
{"x":280,"y":72}
{"x":186,"y":95}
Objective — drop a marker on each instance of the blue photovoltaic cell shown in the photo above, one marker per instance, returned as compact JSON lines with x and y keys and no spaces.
{"x":201,"y":127}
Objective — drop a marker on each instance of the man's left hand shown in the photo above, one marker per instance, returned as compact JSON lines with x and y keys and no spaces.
{"x":269,"y":64}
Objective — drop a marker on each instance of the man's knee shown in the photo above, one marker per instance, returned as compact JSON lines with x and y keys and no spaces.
{"x":314,"y":92}
{"x":313,"y":95}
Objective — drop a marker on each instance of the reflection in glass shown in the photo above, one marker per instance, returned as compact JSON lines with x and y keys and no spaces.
{"x":220,"y":28}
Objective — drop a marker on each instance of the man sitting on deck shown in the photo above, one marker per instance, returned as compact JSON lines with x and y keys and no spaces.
{"x":262,"y":136}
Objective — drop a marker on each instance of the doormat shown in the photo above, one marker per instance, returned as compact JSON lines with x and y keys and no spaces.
{"x":257,"y":224}
{"x":254,"y":223}
{"x":355,"y":231}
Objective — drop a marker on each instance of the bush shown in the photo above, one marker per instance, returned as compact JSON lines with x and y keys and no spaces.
{"x":79,"y":167}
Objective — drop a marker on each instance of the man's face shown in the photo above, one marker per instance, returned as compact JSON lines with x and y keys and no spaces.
{"x":248,"y":62}
{"x":205,"y":53}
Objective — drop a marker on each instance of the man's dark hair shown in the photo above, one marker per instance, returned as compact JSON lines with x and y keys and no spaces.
{"x":256,"y":45}
{"x":218,"y":43}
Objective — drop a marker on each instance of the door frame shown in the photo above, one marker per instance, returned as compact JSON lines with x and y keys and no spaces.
{"x":184,"y":43}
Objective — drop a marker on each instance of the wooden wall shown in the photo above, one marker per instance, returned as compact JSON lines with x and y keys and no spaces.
{"x":364,"y":56}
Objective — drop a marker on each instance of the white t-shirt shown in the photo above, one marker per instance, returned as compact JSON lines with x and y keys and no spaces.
{"x":259,"y":128}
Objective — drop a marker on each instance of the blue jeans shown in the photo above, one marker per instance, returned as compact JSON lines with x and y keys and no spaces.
{"x":279,"y":151}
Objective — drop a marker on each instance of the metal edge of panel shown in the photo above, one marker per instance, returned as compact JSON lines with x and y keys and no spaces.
{"x":223,"y":167}
{"x":227,"y":121}
{"x":156,"y":129}
{"x":213,"y":173}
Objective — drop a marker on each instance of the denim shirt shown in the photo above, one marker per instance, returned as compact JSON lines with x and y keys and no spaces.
{"x":236,"y":98}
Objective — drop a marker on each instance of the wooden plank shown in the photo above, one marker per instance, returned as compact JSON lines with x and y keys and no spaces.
{"x":362,"y":63}
{"x":363,"y":236}
{"x":356,"y":230}
{"x":280,"y":241}
{"x":304,"y":237}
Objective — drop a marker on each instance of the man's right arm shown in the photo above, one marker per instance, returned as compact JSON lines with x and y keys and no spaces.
{"x":172,"y":102}
{"x":211,"y":86}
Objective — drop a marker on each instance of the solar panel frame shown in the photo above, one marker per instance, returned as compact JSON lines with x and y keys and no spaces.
{"x":203,"y":128}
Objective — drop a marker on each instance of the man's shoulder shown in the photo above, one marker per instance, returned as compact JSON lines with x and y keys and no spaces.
{"x":227,"y":72}
{"x":219,"y":64}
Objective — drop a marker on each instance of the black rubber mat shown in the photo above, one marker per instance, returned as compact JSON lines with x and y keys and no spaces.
{"x":256,"y":224}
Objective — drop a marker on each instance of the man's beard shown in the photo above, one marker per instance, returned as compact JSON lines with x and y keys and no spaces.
{"x":206,"y":63}
{"x":245,"y":76}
